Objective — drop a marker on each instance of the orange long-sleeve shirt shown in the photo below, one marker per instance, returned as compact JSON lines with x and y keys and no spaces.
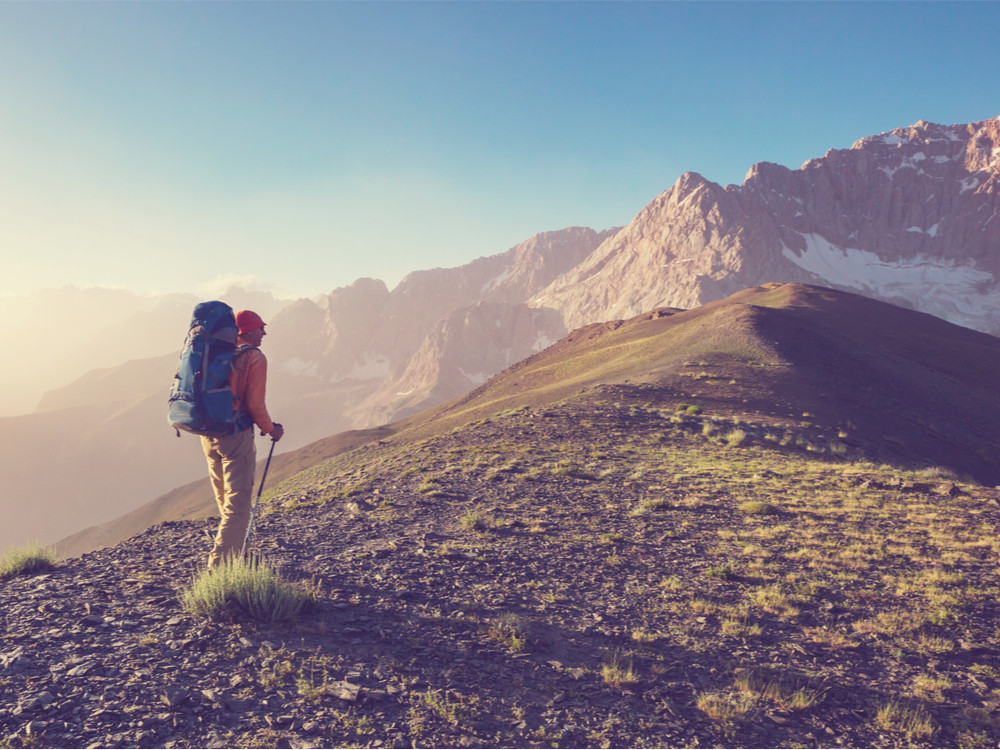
{"x":249,"y":385}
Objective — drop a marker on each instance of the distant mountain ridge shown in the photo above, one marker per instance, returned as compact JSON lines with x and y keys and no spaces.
{"x":402,"y":337}
{"x":909,"y":217}
{"x":71,"y":332}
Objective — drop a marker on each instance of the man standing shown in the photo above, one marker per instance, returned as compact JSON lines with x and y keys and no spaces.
{"x":232,"y":458}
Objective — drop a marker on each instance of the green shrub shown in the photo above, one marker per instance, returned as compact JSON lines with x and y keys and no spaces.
{"x":758,"y":508}
{"x":476,"y":520}
{"x":690,"y":409}
{"x":29,"y":559}
{"x":511,"y":631}
{"x":616,"y":673}
{"x":647,"y":506}
{"x":239,"y":588}
{"x":735,"y":437}
{"x":724,"y":572}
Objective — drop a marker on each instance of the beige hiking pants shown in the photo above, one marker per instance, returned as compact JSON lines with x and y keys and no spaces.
{"x":231,"y":461}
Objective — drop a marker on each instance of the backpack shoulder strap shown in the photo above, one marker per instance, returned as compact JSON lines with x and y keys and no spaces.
{"x":242,"y":419}
{"x":239,"y":352}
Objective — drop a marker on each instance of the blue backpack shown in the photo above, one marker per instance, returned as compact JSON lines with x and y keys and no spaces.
{"x":201,"y":400}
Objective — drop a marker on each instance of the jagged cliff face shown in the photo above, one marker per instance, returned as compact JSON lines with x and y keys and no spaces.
{"x":909,"y":217}
{"x":330,"y":338}
{"x":437,"y":334}
{"x":462,"y":351}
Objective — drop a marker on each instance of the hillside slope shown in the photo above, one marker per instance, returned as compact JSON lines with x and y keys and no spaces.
{"x":843,"y":375}
{"x":594,"y":572}
{"x":887,"y":382}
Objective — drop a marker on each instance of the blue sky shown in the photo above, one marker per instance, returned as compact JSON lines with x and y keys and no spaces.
{"x":164,"y":146}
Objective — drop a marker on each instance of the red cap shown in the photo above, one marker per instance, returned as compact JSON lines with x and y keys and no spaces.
{"x":248,"y":320}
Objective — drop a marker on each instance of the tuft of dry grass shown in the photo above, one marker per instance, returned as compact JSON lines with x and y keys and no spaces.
{"x":833,"y":639}
{"x":735,"y":437}
{"x":913,"y":722}
{"x":741,"y":628}
{"x":476,"y":520}
{"x":618,"y":674}
{"x":511,"y":631}
{"x":892,"y":622}
{"x":758,"y":508}
{"x":726,"y":709}
{"x":240,"y":588}
{"x":784,"y":689}
{"x":32,"y":558}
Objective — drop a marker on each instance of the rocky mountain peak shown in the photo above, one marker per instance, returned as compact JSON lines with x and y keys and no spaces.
{"x":765,"y":172}
{"x":906,"y":216}
{"x":936,"y":150}
{"x":983,"y":150}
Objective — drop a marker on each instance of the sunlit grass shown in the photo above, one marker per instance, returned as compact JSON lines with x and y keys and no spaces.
{"x":32,"y":558}
{"x":239,"y":588}
{"x":784,"y":689}
{"x":726,"y":709}
{"x":617,"y":673}
{"x":912,"y":721}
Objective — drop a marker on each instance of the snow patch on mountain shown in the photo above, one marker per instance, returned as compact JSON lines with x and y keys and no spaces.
{"x":890,"y":139}
{"x":956,"y":291}
{"x":911,"y":162}
{"x":969,"y":183}
{"x":497,"y":280}
{"x":931,"y":231}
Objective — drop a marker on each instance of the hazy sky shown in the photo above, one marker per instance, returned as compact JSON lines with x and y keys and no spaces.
{"x":164,"y":146}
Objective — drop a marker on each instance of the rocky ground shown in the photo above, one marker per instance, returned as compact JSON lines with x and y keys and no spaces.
{"x":600,"y":574}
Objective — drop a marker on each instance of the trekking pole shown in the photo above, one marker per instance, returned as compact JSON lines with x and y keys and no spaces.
{"x":253,"y":513}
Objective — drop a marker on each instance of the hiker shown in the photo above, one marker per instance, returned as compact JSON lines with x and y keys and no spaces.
{"x":232,"y":458}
